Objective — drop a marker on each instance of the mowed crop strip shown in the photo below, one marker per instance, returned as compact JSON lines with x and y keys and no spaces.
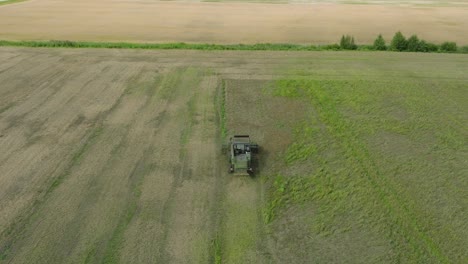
{"x":114,"y":156}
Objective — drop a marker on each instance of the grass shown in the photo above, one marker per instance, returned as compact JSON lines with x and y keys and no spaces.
{"x":287,"y":190}
{"x":170,"y":86}
{"x":192,"y":76}
{"x":10,"y":2}
{"x":3,"y":109}
{"x":183,"y":46}
{"x":77,"y":157}
{"x":216,"y":248}
{"x":168,"y":83}
{"x":371,"y":145}
{"x":186,"y":132}
{"x":222,"y":114}
{"x":115,"y":243}
{"x":239,"y":238}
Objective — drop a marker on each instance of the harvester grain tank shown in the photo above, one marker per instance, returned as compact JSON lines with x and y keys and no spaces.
{"x":242,"y":155}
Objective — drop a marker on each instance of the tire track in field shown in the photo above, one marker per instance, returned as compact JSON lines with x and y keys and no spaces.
{"x":34,"y":78}
{"x":38,"y":149}
{"x":240,"y":232}
{"x":122,"y":139}
{"x":37,"y":94}
{"x":23,"y":117}
{"x":108,"y":249}
{"x":185,"y":215}
{"x":16,"y":231}
{"x":143,"y":238}
{"x":218,"y":195}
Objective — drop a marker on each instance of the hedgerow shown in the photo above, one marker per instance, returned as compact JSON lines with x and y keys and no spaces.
{"x":399,"y":43}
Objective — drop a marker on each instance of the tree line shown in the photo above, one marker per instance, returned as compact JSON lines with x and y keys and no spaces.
{"x":400,"y":43}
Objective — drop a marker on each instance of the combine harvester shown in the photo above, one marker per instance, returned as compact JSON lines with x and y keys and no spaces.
{"x":242,"y":155}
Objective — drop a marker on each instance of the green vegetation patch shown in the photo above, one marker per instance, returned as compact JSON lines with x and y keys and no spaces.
{"x":239,"y":233}
{"x":114,"y":244}
{"x":222,"y":111}
{"x":180,"y":45}
{"x":10,"y":2}
{"x":347,"y":43}
{"x":383,"y":155}
{"x":216,"y":249}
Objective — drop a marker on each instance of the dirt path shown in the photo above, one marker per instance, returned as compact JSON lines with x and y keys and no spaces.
{"x":161,"y":21}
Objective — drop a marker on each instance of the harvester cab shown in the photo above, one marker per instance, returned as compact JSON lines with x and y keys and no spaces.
{"x":242,"y":154}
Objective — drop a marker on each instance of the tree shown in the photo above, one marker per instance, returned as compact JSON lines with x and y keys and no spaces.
{"x":413,"y":44}
{"x":379,"y":43}
{"x":448,"y":47}
{"x":424,"y":46}
{"x":399,"y":42}
{"x":464,"y":49}
{"x":431,"y":47}
{"x":347,"y":42}
{"x":427,"y":47}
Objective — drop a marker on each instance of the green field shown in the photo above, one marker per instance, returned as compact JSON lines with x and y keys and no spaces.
{"x":375,"y":168}
{"x":384,"y":155}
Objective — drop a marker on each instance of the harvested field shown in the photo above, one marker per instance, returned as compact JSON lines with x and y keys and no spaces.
{"x":114,"y":156}
{"x":194,"y":22}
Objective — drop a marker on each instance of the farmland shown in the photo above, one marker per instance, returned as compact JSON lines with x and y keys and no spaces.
{"x":113,"y":156}
{"x":312,"y":22}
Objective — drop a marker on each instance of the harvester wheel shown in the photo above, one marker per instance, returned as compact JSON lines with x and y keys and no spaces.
{"x":224,"y":148}
{"x":254,"y":148}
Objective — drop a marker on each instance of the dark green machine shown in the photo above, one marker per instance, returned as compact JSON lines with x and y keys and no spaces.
{"x":242,"y":155}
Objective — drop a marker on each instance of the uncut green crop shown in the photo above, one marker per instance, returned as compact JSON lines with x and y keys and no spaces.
{"x":358,"y":171}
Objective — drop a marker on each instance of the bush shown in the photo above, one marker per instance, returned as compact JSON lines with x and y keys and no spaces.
{"x":423,"y":46}
{"x":413,"y":44}
{"x":464,"y":49}
{"x":347,"y":42}
{"x":399,"y":42}
{"x":379,"y":43}
{"x":448,"y":47}
{"x":366,"y":47}
{"x":330,"y":47}
{"x":63,"y":43}
{"x":431,"y":47}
